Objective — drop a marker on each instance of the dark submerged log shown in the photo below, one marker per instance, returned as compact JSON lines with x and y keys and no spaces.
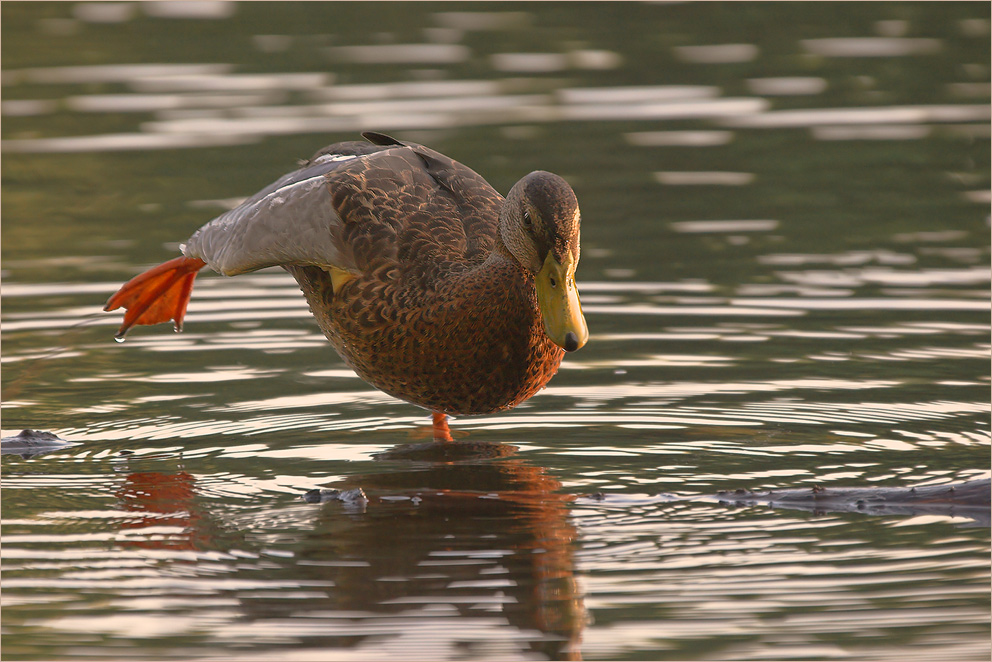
{"x":969,"y":499}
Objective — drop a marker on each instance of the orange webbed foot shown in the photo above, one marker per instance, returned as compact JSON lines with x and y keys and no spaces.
{"x":157,"y":295}
{"x":441,"y":430}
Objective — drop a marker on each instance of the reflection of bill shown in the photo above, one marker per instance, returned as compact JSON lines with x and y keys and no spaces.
{"x":163,"y":501}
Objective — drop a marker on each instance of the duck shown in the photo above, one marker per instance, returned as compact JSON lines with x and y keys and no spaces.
{"x":429,"y":284}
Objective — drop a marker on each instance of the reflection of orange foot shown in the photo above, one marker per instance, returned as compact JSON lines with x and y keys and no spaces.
{"x":160,"y":500}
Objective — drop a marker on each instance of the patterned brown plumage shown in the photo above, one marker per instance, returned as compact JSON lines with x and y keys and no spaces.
{"x":437,"y":317}
{"x":428,"y":283}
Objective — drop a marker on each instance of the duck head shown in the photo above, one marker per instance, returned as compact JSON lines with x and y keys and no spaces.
{"x":539,"y":224}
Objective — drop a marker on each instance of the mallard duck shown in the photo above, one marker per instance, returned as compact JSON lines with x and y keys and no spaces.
{"x":429,"y":284}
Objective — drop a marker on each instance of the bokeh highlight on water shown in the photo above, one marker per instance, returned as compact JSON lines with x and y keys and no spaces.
{"x":785,"y":269}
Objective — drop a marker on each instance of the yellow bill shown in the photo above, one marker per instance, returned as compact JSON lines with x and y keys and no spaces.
{"x":558,"y":300}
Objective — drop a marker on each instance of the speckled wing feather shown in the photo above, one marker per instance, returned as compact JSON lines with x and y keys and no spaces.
{"x":359,"y":207}
{"x":413,"y":209}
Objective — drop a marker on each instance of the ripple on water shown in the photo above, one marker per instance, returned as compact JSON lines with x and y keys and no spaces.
{"x":725,"y":571}
{"x":861,"y":360}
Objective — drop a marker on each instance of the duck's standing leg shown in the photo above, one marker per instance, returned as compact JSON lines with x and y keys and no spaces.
{"x":441,"y":431}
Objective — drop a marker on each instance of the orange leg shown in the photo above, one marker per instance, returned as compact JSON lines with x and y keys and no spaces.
{"x":441,"y":431}
{"x":157,"y":295}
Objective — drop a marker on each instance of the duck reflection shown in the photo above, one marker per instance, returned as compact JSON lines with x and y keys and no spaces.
{"x":463,"y":525}
{"x":457,"y":529}
{"x":453,"y":527}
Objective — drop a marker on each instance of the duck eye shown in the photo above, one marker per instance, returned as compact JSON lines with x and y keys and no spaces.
{"x":527,"y":221}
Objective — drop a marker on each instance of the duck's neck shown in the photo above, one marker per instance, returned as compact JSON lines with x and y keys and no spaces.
{"x":501,"y":260}
{"x":503,"y":252}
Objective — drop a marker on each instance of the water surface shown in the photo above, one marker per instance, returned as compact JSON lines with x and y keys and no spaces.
{"x":785,"y":270}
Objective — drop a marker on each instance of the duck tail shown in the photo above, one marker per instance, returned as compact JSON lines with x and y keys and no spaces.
{"x":157,"y":295}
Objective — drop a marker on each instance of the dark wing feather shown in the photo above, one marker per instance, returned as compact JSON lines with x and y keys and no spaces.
{"x":410,"y":207}
{"x":377,"y":138}
{"x":359,"y":206}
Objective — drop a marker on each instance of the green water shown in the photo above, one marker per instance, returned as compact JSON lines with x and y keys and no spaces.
{"x":785,"y":271}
